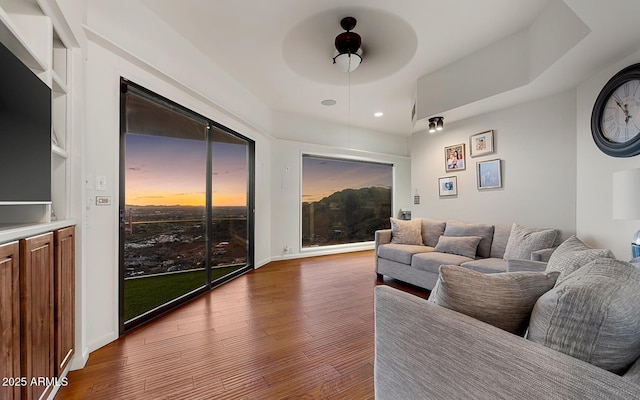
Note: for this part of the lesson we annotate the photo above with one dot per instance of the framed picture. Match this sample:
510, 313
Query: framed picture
481, 144
454, 158
489, 174
448, 186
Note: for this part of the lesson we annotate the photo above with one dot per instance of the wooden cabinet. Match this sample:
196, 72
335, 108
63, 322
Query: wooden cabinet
37, 313
37, 320
64, 297
9, 320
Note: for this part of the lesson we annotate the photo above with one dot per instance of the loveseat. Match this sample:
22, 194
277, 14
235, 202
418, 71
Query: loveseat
412, 251
569, 332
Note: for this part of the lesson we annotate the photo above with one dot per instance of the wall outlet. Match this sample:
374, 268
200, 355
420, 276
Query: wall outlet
287, 249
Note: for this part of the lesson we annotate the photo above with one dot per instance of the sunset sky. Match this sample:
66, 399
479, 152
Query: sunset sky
322, 177
169, 171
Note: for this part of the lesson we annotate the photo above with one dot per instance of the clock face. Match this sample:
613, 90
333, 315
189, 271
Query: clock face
620, 121
615, 119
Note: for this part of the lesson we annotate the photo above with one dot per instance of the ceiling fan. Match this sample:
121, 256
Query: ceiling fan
349, 53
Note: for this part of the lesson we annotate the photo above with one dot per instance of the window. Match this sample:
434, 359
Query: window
344, 201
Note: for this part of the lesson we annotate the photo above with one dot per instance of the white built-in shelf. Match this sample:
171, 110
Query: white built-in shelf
58, 83
59, 151
29, 32
11, 37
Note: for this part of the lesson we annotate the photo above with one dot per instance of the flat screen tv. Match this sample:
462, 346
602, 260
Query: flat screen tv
25, 133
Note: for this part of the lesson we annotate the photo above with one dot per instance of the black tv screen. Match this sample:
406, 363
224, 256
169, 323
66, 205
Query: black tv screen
25, 133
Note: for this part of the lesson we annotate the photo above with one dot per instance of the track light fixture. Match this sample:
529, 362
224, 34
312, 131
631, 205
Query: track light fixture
436, 124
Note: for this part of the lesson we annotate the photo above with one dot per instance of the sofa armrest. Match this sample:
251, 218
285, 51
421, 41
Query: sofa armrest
542, 255
382, 236
423, 350
516, 265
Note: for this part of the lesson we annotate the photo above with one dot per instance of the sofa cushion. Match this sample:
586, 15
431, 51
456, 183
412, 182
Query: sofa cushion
401, 253
500, 238
592, 315
503, 300
573, 254
455, 228
522, 241
487, 265
406, 232
460, 245
431, 262
431, 231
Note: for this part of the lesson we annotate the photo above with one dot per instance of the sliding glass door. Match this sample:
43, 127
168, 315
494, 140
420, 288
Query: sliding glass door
186, 196
229, 201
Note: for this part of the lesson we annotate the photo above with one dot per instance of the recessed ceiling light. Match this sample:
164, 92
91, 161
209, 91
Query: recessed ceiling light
378, 114
328, 102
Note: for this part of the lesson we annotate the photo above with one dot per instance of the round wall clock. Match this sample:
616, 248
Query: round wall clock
615, 120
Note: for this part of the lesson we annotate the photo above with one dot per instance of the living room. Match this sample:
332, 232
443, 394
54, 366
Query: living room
553, 175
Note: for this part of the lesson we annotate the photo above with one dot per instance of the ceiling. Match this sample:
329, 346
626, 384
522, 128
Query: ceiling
281, 50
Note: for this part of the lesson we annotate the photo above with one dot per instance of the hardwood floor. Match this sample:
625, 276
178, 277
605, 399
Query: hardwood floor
291, 329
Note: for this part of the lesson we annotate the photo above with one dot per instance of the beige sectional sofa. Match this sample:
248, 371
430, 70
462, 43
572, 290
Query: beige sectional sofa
415, 257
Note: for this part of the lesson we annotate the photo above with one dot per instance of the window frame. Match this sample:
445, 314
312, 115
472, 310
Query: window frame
125, 85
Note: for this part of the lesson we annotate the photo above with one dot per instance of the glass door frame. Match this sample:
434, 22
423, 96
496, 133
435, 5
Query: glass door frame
125, 326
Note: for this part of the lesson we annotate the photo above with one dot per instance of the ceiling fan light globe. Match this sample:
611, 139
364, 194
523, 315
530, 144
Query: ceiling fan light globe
347, 62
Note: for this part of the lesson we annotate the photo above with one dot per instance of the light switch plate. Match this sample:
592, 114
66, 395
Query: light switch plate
101, 182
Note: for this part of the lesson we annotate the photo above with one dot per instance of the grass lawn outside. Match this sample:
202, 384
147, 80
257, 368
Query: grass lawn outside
146, 293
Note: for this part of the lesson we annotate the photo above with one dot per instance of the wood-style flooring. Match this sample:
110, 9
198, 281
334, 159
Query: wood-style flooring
292, 329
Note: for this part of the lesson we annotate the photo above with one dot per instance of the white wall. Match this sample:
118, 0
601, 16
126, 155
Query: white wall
537, 145
286, 192
147, 52
300, 128
102, 112
595, 223
174, 73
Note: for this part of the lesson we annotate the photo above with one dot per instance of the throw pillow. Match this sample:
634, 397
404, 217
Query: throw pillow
592, 315
455, 228
504, 300
573, 254
522, 241
406, 232
460, 245
431, 231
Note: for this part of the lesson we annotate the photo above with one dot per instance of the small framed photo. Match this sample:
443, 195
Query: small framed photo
454, 158
481, 144
448, 186
489, 174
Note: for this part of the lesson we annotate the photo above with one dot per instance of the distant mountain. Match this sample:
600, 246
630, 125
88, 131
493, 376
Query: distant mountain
347, 216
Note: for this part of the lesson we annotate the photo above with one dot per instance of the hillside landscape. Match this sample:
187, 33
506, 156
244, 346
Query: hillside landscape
347, 216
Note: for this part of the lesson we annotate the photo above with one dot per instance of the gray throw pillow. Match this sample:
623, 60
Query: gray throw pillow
406, 232
460, 245
431, 231
504, 300
592, 315
522, 241
573, 254
455, 228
